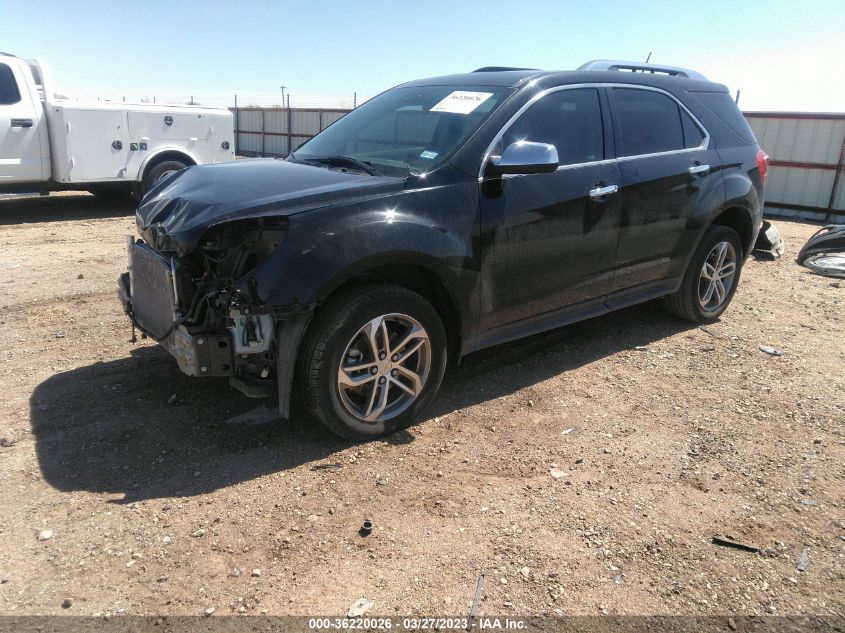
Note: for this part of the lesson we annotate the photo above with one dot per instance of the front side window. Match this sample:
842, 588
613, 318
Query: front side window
9, 93
568, 119
415, 128
649, 122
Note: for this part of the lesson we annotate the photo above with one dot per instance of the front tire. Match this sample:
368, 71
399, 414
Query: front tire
711, 278
372, 361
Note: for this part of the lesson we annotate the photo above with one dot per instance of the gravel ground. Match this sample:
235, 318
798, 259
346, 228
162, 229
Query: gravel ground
585, 470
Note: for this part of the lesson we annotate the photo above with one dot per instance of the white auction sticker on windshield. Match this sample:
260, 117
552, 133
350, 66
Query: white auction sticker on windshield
462, 102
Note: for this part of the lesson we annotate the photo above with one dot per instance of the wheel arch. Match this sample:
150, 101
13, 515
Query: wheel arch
425, 280
161, 155
738, 219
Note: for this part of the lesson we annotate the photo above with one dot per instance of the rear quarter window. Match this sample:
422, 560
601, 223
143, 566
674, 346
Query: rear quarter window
721, 104
9, 93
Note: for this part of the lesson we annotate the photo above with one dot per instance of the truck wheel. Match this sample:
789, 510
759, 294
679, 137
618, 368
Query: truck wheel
372, 361
711, 278
159, 171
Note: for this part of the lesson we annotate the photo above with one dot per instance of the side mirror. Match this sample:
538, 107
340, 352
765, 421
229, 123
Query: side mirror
524, 157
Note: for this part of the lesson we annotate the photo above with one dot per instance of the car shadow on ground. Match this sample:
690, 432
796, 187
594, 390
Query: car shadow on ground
137, 427
75, 206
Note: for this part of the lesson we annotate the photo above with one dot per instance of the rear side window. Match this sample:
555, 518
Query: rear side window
721, 104
568, 119
8, 86
649, 122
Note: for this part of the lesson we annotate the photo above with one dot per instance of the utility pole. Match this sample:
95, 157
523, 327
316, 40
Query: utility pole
283, 94
289, 123
237, 124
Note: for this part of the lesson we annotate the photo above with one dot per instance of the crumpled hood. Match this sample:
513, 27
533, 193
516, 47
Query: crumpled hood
174, 214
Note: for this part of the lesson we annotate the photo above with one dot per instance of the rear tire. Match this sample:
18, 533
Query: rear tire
159, 171
711, 278
356, 386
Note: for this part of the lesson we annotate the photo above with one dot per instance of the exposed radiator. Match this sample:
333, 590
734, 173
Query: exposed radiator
151, 285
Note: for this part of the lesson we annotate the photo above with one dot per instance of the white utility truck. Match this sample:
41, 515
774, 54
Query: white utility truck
49, 143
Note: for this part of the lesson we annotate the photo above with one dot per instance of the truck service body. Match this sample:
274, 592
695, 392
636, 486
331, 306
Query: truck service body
49, 143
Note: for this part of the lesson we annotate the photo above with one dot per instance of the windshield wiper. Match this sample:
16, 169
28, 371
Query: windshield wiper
345, 160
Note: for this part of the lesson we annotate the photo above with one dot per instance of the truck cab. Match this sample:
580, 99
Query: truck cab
49, 143
24, 145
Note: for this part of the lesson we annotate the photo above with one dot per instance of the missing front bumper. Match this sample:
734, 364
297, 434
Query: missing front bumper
769, 240
200, 354
197, 351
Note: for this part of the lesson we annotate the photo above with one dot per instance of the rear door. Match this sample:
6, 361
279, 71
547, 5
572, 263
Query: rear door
665, 165
20, 145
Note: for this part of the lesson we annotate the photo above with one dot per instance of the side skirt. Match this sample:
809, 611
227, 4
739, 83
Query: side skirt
571, 314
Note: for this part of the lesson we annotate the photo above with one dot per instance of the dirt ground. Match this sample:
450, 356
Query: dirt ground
585, 470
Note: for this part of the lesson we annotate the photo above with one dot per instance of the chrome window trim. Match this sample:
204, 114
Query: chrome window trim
705, 143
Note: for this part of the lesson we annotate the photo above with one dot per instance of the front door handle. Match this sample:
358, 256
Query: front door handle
601, 192
21, 122
699, 169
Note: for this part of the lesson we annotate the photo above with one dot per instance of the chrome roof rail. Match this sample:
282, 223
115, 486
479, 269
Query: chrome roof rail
610, 64
495, 69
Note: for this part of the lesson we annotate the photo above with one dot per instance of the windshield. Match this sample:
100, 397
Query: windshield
407, 129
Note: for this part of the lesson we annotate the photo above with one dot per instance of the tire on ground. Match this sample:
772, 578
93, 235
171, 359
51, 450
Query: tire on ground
160, 170
333, 328
685, 302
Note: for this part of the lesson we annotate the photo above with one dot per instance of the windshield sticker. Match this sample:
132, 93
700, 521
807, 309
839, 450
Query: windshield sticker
462, 102
429, 155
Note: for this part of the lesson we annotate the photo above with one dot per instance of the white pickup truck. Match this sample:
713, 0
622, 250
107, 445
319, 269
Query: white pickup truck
49, 143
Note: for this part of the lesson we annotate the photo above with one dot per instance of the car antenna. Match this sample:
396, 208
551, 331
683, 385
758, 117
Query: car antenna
648, 58
736, 100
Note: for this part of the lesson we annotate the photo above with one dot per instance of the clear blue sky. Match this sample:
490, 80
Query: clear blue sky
777, 52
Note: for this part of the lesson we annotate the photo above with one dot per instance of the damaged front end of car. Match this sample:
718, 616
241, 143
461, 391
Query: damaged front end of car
216, 276
203, 306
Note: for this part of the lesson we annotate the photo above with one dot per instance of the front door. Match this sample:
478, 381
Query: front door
549, 244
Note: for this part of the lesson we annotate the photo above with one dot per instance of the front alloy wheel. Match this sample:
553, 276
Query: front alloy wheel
384, 368
372, 360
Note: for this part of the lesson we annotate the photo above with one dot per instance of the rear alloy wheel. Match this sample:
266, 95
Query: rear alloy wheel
711, 278
372, 361
718, 274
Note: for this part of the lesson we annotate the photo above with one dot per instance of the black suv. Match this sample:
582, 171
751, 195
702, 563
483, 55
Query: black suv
441, 217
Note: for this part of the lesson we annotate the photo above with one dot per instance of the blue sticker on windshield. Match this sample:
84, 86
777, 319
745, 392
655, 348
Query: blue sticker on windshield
429, 155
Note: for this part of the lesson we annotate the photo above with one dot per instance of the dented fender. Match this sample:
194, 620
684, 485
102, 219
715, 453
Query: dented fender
326, 247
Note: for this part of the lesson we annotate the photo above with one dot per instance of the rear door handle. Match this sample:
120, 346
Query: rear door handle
21, 122
600, 192
699, 169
